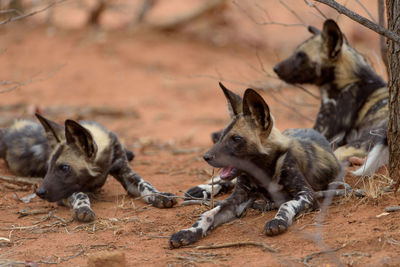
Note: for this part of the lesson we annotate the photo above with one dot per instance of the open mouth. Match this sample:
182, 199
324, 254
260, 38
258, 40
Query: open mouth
228, 173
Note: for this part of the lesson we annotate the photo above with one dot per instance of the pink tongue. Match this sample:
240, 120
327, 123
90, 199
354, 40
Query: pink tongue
226, 172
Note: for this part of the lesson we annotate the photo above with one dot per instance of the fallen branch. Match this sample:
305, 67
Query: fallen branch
82, 250
239, 244
362, 20
28, 211
392, 208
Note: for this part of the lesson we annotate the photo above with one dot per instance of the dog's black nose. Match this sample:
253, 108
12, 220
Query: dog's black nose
208, 157
276, 68
41, 192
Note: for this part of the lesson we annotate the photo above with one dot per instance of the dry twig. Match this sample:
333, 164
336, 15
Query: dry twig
316, 8
29, 211
35, 78
23, 16
309, 257
266, 22
239, 244
21, 180
362, 20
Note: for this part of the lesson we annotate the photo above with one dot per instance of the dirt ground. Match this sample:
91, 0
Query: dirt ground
159, 92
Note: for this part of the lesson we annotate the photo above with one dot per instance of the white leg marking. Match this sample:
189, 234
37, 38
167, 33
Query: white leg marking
378, 157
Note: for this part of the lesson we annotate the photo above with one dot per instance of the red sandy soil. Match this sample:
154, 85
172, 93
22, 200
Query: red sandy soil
170, 80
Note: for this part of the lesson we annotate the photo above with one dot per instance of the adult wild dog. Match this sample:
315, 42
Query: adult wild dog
286, 168
354, 100
73, 158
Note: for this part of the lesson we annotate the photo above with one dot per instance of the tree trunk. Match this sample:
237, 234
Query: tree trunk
393, 12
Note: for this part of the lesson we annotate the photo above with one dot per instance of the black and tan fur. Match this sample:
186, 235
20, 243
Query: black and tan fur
216, 185
73, 159
286, 168
354, 100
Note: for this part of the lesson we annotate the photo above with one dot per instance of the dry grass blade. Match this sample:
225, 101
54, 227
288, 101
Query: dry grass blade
199, 202
212, 189
6, 262
29, 211
373, 187
239, 244
21, 180
309, 257
182, 151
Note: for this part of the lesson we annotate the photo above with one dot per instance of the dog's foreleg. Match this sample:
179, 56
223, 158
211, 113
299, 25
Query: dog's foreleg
137, 187
231, 208
205, 190
80, 204
134, 183
293, 181
287, 212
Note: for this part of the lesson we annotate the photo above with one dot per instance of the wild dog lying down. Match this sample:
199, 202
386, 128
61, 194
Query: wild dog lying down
217, 185
282, 167
73, 159
354, 99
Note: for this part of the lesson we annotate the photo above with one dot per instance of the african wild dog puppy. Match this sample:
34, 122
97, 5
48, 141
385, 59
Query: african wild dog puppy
220, 185
282, 167
25, 148
354, 100
73, 158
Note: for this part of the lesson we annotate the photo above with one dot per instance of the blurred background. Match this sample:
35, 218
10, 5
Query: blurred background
151, 68
149, 71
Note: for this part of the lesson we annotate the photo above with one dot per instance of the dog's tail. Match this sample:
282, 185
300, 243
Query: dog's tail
377, 157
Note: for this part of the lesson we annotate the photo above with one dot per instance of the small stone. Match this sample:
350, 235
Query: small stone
106, 258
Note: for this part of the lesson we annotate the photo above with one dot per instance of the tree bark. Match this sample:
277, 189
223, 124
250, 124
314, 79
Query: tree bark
393, 15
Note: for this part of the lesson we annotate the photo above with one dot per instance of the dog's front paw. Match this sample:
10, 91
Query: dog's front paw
184, 237
198, 192
84, 214
275, 227
164, 200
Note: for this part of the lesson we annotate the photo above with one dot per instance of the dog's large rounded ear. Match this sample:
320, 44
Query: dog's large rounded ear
332, 38
54, 131
77, 135
257, 109
313, 30
234, 101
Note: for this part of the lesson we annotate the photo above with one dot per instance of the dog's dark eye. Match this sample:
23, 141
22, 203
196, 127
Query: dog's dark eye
64, 168
236, 138
301, 55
